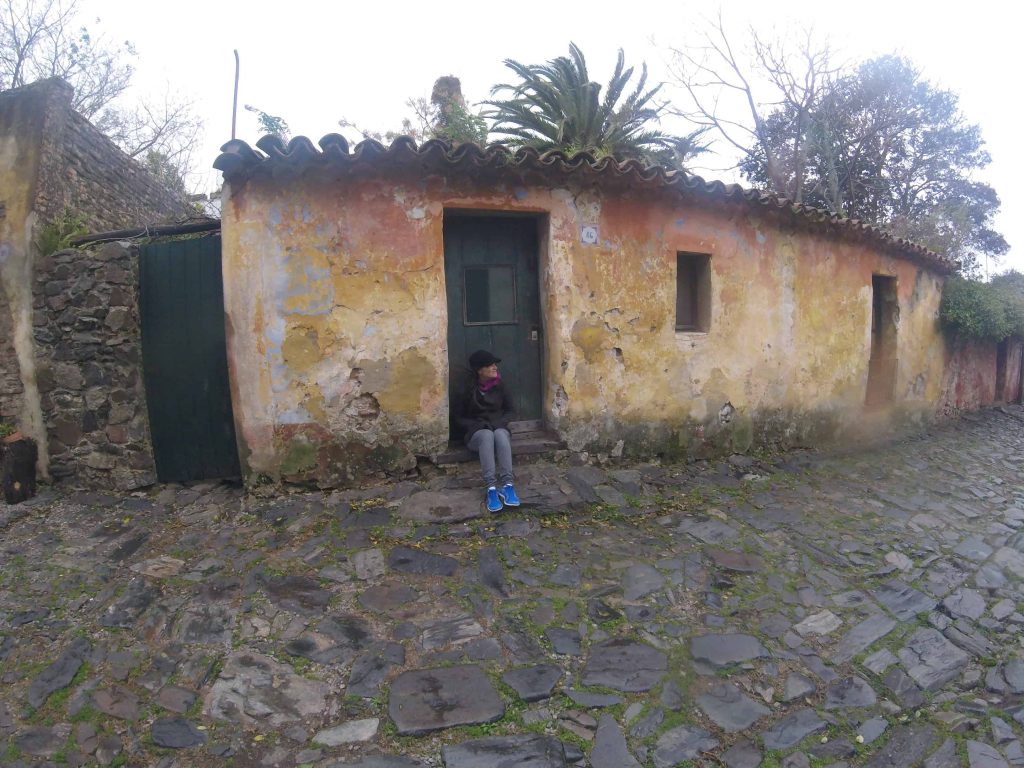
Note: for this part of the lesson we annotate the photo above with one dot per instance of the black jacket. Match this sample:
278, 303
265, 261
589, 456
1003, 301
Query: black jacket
493, 409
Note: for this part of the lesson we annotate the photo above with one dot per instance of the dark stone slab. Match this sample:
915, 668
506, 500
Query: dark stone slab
126, 610
533, 683
931, 659
424, 700
42, 742
118, 702
583, 480
966, 603
742, 754
902, 600
684, 742
711, 532
59, 674
371, 668
416, 561
797, 686
861, 637
981, 755
299, 594
793, 729
451, 506
566, 576
175, 699
625, 666
729, 709
385, 598
492, 574
906, 747
1013, 672
849, 693
610, 749
903, 687
648, 724
593, 700
737, 562
440, 633
382, 761
525, 751
176, 733
640, 581
944, 757
564, 641
722, 650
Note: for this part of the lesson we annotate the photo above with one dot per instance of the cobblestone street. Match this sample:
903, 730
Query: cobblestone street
807, 609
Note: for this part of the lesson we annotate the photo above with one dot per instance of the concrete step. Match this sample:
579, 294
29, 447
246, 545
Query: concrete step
530, 442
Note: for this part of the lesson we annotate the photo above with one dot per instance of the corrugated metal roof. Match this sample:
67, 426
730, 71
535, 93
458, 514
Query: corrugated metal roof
275, 159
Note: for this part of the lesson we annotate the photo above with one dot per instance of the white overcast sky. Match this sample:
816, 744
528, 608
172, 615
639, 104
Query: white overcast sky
315, 62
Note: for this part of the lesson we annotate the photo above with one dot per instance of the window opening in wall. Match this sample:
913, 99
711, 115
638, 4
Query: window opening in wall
693, 292
1002, 351
490, 294
883, 363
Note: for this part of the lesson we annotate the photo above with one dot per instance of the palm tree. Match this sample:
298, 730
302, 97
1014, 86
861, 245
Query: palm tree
556, 106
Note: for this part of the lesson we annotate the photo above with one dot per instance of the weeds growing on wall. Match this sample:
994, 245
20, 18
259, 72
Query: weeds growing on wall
57, 234
984, 311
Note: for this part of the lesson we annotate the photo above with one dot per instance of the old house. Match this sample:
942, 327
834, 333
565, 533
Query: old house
54, 165
638, 311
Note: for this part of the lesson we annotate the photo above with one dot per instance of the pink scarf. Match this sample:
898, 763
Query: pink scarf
490, 384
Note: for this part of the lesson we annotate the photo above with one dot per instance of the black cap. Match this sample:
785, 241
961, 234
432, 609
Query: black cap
481, 359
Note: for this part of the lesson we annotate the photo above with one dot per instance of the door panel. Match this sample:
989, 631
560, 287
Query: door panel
493, 303
184, 360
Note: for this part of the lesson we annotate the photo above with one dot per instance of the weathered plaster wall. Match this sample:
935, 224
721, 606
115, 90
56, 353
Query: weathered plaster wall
970, 380
89, 345
337, 324
22, 119
1014, 362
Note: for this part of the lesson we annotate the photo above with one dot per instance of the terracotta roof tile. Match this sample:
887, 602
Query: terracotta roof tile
238, 161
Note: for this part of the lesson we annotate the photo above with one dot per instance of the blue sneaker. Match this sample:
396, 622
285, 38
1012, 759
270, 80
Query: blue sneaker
508, 495
493, 500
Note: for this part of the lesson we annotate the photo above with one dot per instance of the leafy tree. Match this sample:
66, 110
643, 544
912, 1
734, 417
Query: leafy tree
885, 146
557, 106
40, 39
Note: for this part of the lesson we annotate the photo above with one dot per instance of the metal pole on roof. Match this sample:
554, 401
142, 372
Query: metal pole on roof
234, 101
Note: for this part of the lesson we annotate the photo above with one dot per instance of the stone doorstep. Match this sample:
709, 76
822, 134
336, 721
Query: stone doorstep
539, 443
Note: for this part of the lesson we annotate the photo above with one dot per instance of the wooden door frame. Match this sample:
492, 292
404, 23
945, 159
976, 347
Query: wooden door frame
541, 218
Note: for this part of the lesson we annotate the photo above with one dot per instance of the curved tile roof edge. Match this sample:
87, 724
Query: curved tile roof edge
239, 160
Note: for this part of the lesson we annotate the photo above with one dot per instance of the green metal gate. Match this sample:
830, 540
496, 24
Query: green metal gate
184, 360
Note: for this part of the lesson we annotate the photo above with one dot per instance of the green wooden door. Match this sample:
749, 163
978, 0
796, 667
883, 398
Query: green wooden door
184, 360
490, 266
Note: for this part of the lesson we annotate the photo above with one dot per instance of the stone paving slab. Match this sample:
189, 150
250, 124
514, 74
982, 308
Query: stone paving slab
862, 609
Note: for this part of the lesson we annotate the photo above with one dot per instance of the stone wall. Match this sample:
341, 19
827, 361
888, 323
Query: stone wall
52, 160
88, 342
106, 187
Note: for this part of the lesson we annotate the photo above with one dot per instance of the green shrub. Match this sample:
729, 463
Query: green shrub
57, 235
974, 310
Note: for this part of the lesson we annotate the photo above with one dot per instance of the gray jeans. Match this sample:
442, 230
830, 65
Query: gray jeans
488, 444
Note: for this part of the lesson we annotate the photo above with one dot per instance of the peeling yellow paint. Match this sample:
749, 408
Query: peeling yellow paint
341, 284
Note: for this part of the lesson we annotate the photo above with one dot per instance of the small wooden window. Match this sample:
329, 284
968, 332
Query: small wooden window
489, 295
693, 292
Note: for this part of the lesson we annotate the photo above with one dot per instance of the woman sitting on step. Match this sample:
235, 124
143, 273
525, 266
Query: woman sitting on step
487, 408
